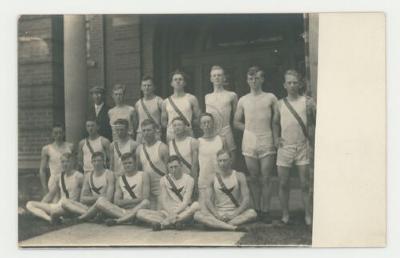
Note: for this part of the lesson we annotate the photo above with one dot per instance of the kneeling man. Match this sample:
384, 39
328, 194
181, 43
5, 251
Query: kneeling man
176, 195
68, 184
227, 198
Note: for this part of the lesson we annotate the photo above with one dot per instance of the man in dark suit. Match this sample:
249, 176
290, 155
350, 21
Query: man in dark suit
99, 110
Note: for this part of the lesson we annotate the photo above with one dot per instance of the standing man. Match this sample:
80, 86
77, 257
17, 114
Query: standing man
296, 119
99, 112
148, 107
179, 104
222, 105
51, 158
121, 145
91, 144
259, 111
228, 198
152, 157
121, 110
209, 145
185, 147
67, 184
176, 198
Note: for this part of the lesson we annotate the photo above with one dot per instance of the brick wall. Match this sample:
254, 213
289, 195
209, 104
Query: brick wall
40, 84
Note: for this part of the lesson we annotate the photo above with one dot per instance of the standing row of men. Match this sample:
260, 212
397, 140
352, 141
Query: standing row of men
268, 125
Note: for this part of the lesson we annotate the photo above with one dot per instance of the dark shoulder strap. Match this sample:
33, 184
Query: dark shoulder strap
89, 146
297, 117
225, 190
128, 187
177, 110
63, 186
147, 111
184, 161
156, 169
92, 186
117, 149
174, 188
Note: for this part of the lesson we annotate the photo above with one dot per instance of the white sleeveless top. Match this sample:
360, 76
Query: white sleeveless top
291, 131
183, 105
182, 185
71, 183
219, 105
97, 184
185, 149
222, 201
55, 155
135, 183
153, 106
154, 156
208, 149
87, 155
123, 148
123, 112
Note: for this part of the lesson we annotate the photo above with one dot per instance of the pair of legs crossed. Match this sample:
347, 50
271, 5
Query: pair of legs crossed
205, 217
161, 217
46, 211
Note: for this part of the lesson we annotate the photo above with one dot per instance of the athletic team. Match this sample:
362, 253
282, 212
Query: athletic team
170, 185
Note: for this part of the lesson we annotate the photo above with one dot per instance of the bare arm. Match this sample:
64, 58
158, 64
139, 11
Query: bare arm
80, 155
209, 201
106, 147
275, 122
76, 192
42, 170
132, 117
237, 120
244, 191
164, 153
111, 152
196, 111
136, 118
164, 114
234, 104
52, 192
109, 193
163, 195
139, 165
195, 159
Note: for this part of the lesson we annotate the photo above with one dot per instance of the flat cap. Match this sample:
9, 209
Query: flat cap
97, 89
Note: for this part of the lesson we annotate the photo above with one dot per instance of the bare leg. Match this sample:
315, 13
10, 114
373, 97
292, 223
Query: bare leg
254, 181
244, 217
74, 206
150, 216
209, 220
284, 187
267, 165
305, 190
188, 213
108, 208
130, 214
39, 209
92, 211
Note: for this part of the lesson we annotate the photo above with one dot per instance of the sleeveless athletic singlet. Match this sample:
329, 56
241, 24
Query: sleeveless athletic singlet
87, 155
123, 148
154, 156
135, 183
184, 148
71, 183
98, 183
182, 185
291, 130
208, 149
222, 200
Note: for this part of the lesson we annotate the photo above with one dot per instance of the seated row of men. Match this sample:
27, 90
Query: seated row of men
126, 198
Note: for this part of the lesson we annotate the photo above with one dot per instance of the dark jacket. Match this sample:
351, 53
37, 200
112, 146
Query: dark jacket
102, 120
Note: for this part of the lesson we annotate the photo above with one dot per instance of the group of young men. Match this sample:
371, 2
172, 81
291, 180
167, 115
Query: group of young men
168, 185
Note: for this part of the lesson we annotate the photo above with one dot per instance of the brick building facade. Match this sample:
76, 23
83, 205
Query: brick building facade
122, 48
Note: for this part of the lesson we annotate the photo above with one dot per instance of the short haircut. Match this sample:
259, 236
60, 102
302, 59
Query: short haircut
97, 89
224, 151
147, 122
122, 122
147, 78
253, 70
119, 87
92, 119
293, 73
177, 71
59, 125
178, 118
67, 155
217, 67
128, 155
206, 114
174, 158
98, 154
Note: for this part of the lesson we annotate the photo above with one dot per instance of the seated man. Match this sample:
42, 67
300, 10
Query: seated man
98, 186
227, 198
68, 184
176, 195
132, 191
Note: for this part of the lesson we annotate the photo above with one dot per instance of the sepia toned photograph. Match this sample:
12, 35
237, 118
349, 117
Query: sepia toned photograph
166, 129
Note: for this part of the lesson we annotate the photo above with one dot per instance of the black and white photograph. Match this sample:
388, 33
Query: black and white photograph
166, 129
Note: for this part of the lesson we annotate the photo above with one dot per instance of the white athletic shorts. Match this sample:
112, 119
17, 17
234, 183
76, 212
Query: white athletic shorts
293, 154
257, 145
